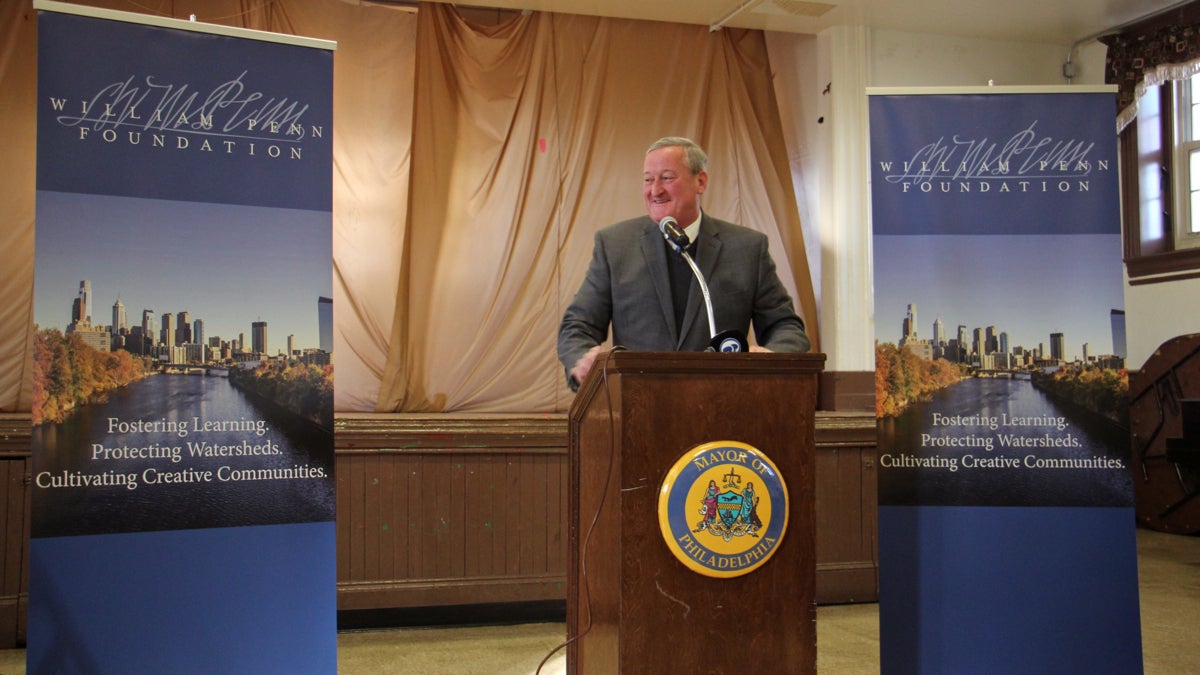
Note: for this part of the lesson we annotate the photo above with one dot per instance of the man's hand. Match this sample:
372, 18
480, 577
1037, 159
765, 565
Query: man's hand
580, 370
756, 348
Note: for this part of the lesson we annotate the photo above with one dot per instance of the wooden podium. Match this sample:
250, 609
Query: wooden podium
632, 605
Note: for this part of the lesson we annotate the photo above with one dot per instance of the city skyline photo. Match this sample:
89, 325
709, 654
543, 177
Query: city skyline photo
227, 265
1026, 286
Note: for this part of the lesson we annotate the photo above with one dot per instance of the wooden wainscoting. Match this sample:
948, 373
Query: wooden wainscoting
450, 510
442, 510
847, 508
14, 523
438, 510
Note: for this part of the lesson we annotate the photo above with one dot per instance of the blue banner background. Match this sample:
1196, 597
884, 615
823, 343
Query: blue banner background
138, 69
229, 600
956, 182
1007, 590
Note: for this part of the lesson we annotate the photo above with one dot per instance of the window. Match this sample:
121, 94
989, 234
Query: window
1159, 56
1185, 182
1161, 184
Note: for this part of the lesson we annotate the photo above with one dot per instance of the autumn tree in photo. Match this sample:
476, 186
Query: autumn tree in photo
304, 390
1100, 390
902, 377
68, 373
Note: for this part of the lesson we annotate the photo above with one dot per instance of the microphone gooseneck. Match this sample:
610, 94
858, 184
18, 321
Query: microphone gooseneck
676, 236
728, 341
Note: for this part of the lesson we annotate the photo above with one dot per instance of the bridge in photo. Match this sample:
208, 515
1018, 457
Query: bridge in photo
193, 369
1005, 374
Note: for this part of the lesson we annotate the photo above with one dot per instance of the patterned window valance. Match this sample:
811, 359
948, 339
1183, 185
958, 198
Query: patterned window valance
1151, 53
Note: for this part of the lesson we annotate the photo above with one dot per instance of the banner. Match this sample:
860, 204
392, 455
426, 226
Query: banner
1006, 521
183, 495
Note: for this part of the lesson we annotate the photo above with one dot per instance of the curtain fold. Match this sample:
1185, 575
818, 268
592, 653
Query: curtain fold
476, 303
528, 137
18, 133
373, 106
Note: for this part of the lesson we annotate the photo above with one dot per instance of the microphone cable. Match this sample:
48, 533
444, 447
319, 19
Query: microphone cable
612, 452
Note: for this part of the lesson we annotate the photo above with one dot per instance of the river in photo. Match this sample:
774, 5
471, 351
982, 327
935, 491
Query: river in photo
176, 451
1002, 442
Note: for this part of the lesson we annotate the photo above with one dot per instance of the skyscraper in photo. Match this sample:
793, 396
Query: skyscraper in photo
85, 298
167, 333
183, 328
78, 311
120, 321
908, 328
1117, 318
149, 330
258, 337
1057, 347
325, 324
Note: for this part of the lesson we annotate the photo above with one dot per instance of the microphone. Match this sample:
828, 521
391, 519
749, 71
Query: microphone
727, 341
672, 233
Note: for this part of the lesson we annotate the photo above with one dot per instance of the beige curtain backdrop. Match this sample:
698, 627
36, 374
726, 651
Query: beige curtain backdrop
18, 87
527, 138
472, 165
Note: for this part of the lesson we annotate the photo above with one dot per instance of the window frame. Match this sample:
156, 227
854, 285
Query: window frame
1154, 256
1185, 151
1162, 40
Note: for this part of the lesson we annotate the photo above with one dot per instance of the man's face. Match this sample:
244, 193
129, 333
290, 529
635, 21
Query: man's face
670, 188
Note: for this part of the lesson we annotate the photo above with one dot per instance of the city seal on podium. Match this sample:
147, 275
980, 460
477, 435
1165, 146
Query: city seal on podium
723, 509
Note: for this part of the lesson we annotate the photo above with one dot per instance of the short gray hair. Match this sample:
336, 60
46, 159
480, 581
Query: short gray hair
694, 155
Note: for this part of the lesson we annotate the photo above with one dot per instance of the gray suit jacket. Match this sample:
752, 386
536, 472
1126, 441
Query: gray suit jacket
627, 286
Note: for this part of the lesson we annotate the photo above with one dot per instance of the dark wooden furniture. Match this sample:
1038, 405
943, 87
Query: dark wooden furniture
632, 607
14, 522
1163, 421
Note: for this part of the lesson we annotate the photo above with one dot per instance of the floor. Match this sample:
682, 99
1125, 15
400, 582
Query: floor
847, 635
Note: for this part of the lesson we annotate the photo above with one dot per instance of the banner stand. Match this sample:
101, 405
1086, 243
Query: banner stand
182, 515
1006, 522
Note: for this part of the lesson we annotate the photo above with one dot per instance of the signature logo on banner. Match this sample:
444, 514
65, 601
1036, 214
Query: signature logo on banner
230, 118
1026, 161
723, 509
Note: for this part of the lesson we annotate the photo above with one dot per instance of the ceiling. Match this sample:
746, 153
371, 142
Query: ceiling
1062, 22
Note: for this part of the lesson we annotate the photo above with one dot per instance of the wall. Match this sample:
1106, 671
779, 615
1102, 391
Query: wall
1153, 316
900, 59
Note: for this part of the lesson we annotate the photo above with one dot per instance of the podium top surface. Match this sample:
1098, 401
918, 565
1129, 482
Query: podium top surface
698, 364
621, 360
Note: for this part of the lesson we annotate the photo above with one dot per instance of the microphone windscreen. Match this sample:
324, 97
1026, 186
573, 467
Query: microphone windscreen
672, 232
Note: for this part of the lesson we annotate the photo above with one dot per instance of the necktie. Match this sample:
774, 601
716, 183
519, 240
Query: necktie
681, 277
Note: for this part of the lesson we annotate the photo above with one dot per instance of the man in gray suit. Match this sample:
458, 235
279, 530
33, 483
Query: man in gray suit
639, 282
